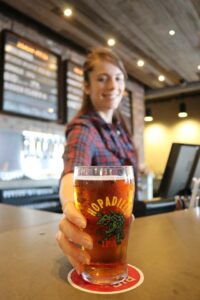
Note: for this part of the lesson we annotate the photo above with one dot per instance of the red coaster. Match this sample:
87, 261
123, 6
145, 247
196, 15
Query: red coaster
135, 278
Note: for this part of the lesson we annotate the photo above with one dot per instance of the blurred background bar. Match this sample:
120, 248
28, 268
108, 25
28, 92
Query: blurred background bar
42, 49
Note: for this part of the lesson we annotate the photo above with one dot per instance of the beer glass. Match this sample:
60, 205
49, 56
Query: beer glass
104, 195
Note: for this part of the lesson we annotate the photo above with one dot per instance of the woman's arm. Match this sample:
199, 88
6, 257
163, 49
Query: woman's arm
66, 192
71, 236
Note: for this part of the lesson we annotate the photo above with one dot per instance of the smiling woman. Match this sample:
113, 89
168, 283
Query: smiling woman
105, 88
97, 136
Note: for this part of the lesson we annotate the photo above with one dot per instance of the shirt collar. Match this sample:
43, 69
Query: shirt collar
98, 119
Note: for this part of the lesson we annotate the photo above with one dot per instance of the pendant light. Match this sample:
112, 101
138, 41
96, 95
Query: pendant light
182, 110
148, 115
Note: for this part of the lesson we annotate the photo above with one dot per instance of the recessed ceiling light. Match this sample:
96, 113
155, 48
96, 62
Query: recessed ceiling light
8, 48
68, 12
161, 78
78, 71
140, 63
198, 67
172, 32
50, 110
111, 42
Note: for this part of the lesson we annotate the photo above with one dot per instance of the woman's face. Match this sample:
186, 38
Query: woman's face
106, 86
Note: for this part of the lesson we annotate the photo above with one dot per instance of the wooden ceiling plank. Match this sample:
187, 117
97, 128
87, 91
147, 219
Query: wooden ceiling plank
171, 63
57, 23
102, 9
47, 4
136, 73
188, 28
141, 29
148, 43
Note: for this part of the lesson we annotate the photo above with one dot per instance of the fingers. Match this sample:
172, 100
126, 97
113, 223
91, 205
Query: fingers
77, 256
74, 234
73, 215
78, 266
71, 238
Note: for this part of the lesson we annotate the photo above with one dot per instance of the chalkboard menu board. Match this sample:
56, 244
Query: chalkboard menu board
126, 110
29, 78
74, 88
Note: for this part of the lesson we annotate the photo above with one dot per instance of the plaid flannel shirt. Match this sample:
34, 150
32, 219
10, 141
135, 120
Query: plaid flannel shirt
93, 142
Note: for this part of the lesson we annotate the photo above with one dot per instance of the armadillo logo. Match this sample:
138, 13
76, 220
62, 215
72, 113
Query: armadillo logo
112, 227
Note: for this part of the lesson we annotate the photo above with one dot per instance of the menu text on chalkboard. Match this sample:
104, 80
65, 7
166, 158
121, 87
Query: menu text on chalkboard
126, 110
29, 79
74, 88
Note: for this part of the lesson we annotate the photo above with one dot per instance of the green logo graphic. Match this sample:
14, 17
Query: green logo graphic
114, 226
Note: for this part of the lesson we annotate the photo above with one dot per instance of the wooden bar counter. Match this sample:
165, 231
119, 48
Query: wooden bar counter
165, 247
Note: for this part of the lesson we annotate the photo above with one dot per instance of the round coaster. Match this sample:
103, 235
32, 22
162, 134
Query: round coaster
134, 279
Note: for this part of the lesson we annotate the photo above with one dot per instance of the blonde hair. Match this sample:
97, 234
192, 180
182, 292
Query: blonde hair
101, 53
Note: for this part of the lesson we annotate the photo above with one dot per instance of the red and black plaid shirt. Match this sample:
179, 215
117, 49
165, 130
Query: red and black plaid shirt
93, 142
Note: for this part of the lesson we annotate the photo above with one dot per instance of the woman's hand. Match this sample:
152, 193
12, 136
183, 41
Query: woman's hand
71, 237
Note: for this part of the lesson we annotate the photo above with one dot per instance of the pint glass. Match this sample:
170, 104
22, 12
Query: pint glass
104, 195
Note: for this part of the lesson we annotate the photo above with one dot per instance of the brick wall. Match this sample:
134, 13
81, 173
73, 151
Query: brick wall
138, 118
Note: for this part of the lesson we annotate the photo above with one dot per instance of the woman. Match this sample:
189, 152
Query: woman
96, 136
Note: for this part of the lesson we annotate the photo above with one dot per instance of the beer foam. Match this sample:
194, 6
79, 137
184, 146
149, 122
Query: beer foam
100, 178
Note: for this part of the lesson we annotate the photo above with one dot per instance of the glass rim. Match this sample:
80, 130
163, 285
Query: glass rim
105, 171
104, 167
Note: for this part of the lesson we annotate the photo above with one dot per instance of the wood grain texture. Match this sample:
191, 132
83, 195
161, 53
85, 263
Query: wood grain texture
140, 28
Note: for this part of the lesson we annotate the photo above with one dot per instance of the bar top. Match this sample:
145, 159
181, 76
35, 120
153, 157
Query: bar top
28, 183
165, 247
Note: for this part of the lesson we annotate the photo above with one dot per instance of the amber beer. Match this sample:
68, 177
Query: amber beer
104, 195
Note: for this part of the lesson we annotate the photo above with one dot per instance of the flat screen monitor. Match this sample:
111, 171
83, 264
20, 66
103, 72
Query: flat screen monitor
195, 169
178, 171
29, 78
